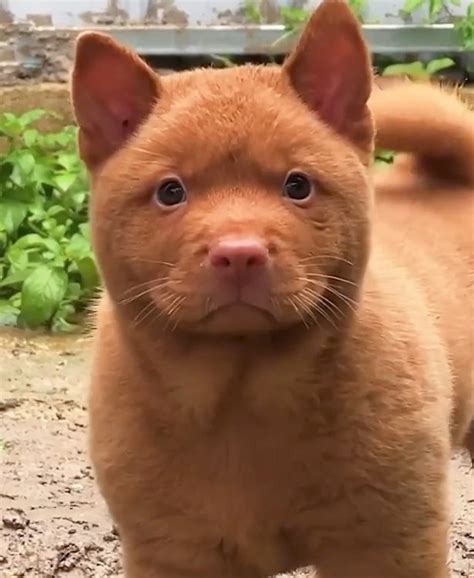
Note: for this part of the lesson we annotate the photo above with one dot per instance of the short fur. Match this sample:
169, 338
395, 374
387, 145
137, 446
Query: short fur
239, 443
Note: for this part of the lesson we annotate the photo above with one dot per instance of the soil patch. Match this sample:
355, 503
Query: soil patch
52, 520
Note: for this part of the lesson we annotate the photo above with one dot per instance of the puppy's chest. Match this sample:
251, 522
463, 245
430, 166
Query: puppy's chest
255, 488
251, 457
242, 483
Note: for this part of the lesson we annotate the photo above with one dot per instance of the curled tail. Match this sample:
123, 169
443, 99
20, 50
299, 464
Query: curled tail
431, 124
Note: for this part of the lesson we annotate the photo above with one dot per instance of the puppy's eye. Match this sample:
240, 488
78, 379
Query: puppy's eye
170, 193
298, 187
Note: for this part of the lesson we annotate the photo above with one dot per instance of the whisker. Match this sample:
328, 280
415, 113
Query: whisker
152, 261
146, 291
298, 312
144, 313
318, 305
352, 303
315, 257
332, 278
339, 314
172, 310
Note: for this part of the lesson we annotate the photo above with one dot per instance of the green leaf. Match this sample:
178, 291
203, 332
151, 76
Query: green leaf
10, 125
33, 240
26, 162
85, 229
79, 199
435, 7
61, 325
409, 6
439, 64
41, 295
42, 174
412, 69
15, 279
30, 249
8, 314
384, 155
293, 17
64, 181
252, 12
88, 270
67, 137
68, 161
74, 292
30, 137
30, 117
224, 60
78, 248
12, 214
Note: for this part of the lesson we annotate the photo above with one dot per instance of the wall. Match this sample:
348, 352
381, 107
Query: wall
194, 12
36, 36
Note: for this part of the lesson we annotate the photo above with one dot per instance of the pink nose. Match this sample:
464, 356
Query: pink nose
239, 257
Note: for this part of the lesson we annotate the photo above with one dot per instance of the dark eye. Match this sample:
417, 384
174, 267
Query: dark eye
297, 187
170, 193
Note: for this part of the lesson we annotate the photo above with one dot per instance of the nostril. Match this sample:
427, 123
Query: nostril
220, 261
256, 260
238, 255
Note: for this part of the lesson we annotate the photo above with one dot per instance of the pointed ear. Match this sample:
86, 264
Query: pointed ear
113, 92
330, 69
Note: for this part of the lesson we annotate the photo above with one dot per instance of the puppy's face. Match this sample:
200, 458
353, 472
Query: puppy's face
234, 206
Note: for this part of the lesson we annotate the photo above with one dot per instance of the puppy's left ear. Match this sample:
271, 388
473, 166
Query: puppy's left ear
113, 93
330, 69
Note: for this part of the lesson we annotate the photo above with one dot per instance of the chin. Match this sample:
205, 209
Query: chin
238, 319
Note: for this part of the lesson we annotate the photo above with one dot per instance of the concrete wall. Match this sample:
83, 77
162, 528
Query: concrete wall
42, 31
194, 12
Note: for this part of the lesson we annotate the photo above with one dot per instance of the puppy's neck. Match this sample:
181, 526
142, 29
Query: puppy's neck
200, 379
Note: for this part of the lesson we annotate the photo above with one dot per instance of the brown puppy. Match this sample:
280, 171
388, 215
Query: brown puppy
277, 382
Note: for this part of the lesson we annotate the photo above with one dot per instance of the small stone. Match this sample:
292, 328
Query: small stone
16, 520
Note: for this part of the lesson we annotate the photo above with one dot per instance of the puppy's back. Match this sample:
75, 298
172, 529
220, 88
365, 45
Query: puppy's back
425, 216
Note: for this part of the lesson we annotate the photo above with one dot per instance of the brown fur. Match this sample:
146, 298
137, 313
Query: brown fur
239, 444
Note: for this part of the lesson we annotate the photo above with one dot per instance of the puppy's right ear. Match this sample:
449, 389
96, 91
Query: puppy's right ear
113, 92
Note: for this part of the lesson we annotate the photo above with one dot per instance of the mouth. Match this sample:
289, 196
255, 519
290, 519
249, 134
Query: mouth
239, 307
239, 317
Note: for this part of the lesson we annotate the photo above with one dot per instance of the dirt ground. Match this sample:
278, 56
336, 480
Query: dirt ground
52, 521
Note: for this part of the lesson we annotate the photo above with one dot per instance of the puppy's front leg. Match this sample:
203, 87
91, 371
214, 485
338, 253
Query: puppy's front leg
171, 560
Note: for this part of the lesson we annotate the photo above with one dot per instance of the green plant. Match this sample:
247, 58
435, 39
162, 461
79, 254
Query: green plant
383, 157
465, 25
47, 270
293, 17
358, 7
252, 11
225, 61
435, 7
418, 69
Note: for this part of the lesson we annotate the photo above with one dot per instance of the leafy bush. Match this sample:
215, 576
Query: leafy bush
47, 270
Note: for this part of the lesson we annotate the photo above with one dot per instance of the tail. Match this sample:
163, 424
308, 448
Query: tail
431, 124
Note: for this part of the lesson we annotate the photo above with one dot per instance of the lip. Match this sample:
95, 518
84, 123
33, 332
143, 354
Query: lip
236, 307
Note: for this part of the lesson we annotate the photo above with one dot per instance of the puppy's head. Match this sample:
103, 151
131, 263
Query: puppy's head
234, 200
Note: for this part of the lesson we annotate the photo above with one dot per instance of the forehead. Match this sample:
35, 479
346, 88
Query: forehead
247, 118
